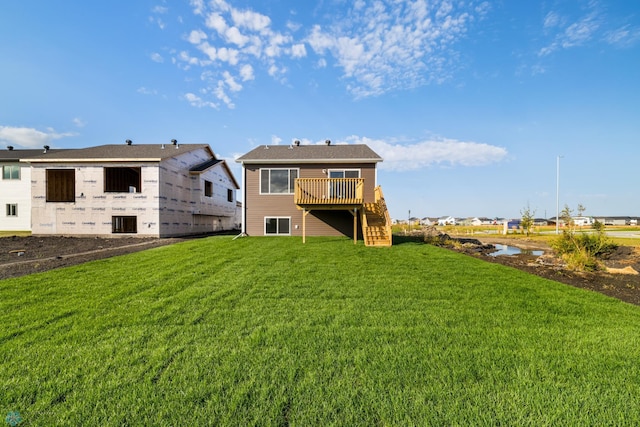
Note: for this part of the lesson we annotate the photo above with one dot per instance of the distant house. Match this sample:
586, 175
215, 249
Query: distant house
15, 188
541, 222
428, 221
314, 190
446, 220
151, 190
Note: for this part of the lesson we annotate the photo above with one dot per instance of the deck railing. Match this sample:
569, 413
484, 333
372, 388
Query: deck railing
382, 205
329, 191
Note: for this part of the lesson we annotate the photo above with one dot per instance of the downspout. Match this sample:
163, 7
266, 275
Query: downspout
244, 200
243, 231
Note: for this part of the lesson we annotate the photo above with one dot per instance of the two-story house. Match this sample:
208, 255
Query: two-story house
150, 190
314, 190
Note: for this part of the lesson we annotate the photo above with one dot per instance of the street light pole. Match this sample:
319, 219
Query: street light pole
557, 192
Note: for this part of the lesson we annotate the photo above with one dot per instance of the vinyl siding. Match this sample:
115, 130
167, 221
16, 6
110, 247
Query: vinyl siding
319, 222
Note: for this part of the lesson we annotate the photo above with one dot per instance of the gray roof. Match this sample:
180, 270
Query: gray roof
15, 155
341, 153
118, 152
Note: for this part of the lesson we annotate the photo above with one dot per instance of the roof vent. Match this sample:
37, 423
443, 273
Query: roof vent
46, 148
328, 142
175, 142
10, 147
128, 141
296, 142
266, 147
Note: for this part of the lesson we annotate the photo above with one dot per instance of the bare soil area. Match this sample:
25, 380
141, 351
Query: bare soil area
20, 255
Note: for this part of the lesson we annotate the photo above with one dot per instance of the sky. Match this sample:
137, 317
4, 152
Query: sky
478, 108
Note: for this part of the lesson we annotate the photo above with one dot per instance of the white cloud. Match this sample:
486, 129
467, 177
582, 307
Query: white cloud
30, 137
156, 57
235, 37
246, 73
231, 83
432, 152
145, 91
79, 122
298, 50
196, 101
197, 5
196, 36
221, 94
592, 25
389, 45
216, 22
625, 36
379, 46
275, 140
251, 20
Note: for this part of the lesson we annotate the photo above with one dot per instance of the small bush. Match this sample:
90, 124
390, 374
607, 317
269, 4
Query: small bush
581, 251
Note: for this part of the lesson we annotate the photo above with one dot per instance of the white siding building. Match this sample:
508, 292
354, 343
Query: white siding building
145, 190
15, 189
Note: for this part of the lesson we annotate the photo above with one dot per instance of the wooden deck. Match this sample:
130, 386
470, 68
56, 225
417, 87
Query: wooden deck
345, 194
327, 193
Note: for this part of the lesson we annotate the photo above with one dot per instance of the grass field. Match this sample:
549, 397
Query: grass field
268, 331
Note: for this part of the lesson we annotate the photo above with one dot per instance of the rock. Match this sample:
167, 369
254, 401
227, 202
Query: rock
626, 270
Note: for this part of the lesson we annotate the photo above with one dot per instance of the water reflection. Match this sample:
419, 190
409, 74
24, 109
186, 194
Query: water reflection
512, 250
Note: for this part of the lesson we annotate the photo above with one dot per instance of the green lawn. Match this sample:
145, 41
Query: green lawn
268, 331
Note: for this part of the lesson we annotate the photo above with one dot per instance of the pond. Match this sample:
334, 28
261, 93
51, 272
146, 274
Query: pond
513, 250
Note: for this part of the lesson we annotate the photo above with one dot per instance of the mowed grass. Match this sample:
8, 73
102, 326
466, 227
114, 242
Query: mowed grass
268, 331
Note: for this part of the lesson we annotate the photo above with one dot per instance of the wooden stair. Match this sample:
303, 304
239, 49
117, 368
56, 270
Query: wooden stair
376, 223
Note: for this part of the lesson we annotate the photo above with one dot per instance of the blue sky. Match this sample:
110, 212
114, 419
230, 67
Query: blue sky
469, 102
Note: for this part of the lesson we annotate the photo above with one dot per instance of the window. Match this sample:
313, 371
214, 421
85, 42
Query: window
12, 209
343, 189
208, 188
124, 224
11, 172
61, 185
277, 181
277, 226
122, 180
229, 195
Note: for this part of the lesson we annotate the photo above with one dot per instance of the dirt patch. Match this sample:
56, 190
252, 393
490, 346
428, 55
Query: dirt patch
20, 255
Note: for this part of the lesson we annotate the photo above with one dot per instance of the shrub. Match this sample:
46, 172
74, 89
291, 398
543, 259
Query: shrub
581, 251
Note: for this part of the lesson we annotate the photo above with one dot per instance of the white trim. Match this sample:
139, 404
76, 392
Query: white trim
270, 169
344, 170
264, 230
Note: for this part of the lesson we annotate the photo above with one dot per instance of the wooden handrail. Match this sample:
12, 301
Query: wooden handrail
329, 191
382, 205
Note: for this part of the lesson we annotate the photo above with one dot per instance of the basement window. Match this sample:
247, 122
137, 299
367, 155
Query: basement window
12, 209
122, 180
61, 185
208, 189
277, 226
124, 224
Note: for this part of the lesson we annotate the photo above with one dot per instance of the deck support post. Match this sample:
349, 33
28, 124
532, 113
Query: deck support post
304, 225
355, 225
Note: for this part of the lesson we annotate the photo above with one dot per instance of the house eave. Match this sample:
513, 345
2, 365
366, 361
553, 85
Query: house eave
305, 161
